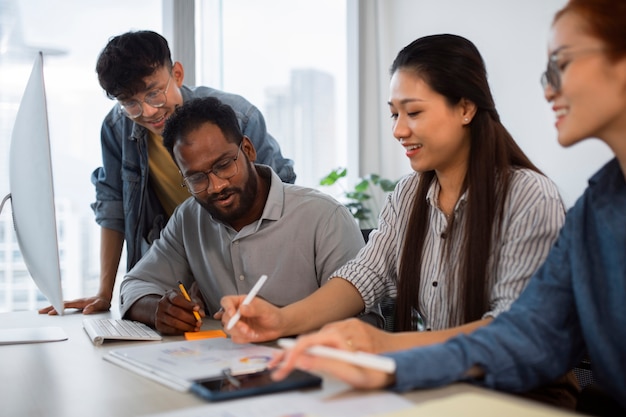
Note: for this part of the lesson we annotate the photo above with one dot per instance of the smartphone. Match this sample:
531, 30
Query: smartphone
257, 383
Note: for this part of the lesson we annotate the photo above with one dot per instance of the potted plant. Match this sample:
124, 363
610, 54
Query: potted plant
365, 199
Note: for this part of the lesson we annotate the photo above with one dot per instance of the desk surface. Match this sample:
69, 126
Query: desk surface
70, 378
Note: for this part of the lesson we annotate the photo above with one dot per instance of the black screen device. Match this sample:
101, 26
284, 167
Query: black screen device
257, 383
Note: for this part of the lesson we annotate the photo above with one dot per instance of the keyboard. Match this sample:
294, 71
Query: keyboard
101, 330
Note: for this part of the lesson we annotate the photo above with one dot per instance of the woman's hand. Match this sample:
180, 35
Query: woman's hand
355, 334
260, 321
297, 357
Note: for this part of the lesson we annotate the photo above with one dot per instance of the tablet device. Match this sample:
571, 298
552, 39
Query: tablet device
258, 383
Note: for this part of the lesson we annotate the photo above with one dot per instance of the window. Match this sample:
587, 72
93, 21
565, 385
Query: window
76, 106
288, 58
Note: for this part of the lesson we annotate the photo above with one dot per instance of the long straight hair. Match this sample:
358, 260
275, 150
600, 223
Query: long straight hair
452, 66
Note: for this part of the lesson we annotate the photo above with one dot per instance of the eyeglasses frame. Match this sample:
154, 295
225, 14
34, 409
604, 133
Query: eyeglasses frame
551, 77
155, 92
212, 171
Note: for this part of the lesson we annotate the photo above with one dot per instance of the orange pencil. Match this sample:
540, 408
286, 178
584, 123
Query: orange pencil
185, 294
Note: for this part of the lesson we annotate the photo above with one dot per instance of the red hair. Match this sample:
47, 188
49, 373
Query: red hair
604, 19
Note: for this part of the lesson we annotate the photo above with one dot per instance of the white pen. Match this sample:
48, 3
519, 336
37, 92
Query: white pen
253, 292
366, 360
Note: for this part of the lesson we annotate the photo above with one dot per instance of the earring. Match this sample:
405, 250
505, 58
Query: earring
466, 120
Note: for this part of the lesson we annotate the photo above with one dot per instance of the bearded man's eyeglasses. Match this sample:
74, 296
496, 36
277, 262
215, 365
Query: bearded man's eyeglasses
224, 169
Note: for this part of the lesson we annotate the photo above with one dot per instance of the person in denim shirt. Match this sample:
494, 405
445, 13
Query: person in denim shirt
138, 186
575, 304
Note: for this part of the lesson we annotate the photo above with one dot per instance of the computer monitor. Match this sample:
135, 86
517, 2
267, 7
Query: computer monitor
32, 190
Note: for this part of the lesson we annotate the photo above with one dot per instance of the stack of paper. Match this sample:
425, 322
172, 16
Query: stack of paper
178, 364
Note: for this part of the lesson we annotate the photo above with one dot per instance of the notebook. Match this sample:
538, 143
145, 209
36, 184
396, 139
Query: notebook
101, 330
179, 364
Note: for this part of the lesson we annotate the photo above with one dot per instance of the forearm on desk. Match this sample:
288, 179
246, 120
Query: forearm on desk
144, 310
336, 300
407, 340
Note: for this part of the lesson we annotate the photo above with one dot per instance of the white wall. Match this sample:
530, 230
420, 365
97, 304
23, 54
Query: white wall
512, 37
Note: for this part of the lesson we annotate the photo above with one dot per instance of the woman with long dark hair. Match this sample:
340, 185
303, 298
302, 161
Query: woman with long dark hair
458, 238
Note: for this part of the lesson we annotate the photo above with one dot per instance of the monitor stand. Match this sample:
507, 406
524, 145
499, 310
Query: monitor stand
31, 335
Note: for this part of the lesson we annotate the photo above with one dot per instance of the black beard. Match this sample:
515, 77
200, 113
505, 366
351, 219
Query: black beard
246, 200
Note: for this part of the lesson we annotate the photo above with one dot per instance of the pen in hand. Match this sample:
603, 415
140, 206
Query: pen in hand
185, 294
253, 292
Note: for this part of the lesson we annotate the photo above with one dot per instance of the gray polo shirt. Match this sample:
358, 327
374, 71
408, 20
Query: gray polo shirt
302, 236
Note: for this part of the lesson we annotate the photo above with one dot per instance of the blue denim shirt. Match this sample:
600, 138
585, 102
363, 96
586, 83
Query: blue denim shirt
124, 199
575, 302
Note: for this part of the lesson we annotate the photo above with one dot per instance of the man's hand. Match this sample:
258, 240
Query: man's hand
174, 314
88, 305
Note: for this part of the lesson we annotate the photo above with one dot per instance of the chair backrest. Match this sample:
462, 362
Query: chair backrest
583, 372
366, 234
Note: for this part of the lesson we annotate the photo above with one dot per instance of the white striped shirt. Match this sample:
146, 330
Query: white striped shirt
533, 216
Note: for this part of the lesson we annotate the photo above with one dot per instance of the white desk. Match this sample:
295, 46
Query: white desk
70, 378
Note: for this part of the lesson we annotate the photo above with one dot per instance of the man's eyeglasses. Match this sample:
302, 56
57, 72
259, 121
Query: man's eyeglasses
224, 169
155, 98
552, 75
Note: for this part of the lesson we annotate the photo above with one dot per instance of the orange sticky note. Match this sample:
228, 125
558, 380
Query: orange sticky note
204, 334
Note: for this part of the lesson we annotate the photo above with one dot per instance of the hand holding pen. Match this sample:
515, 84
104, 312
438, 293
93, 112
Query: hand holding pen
253, 292
250, 318
185, 294
176, 312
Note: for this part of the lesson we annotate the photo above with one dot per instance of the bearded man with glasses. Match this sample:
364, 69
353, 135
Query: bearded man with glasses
241, 223
138, 186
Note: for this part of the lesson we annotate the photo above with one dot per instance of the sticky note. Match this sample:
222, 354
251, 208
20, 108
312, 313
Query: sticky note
204, 334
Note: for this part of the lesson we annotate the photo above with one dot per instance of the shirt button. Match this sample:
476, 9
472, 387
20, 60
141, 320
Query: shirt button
241, 277
435, 283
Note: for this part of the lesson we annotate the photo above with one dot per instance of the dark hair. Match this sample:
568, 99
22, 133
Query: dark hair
604, 19
452, 66
128, 58
193, 114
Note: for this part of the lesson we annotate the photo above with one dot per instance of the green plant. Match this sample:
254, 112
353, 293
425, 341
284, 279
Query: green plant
359, 199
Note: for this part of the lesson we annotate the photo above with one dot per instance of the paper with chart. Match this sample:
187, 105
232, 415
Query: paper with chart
177, 364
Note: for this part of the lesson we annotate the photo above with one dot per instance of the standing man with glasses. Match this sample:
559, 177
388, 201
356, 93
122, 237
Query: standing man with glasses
138, 186
241, 223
